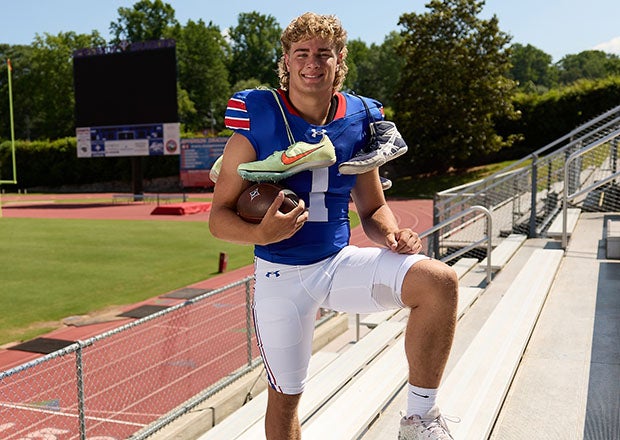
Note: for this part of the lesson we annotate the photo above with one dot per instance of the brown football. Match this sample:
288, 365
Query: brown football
254, 202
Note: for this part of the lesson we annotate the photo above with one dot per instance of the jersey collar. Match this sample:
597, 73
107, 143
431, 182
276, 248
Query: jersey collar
340, 111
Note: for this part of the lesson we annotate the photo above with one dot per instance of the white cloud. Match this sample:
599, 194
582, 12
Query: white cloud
611, 46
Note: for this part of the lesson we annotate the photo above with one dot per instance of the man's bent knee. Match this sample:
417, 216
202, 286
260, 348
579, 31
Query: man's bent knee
430, 281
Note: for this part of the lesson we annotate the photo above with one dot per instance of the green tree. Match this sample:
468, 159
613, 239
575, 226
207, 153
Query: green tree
146, 20
203, 74
22, 100
49, 108
255, 48
589, 64
374, 71
453, 86
358, 58
389, 68
532, 68
250, 83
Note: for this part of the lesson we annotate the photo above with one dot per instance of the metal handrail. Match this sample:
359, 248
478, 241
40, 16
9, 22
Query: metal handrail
488, 238
566, 197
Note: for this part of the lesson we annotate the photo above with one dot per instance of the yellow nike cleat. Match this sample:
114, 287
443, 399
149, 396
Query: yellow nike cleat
298, 157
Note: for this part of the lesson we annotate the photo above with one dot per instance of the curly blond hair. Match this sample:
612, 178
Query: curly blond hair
306, 27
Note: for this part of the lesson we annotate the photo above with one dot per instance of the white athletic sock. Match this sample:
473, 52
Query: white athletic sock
420, 400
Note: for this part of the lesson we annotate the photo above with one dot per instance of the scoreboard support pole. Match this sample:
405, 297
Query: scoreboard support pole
136, 179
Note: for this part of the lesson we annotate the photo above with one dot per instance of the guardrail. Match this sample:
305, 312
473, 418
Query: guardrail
446, 223
603, 151
527, 195
488, 238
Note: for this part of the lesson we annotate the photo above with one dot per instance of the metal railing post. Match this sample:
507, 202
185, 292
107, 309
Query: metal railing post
532, 225
248, 319
489, 217
80, 392
614, 155
565, 205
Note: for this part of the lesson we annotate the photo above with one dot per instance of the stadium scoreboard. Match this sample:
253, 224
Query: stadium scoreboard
126, 100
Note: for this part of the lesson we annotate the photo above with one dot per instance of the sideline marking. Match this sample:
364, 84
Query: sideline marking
46, 411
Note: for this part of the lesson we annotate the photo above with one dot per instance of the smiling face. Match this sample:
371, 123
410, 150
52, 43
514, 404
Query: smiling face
308, 30
312, 66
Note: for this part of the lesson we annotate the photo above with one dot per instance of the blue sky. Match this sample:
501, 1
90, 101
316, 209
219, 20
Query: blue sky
558, 27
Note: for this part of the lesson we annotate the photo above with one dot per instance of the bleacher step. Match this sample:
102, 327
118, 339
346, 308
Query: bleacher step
464, 265
555, 230
476, 387
504, 251
374, 319
371, 390
612, 239
350, 413
467, 296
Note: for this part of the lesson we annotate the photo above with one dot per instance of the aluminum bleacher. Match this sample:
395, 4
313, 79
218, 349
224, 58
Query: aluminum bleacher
369, 374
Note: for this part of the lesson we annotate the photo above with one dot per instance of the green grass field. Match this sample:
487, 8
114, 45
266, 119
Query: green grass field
52, 268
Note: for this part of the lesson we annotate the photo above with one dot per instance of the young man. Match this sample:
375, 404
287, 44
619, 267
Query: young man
303, 260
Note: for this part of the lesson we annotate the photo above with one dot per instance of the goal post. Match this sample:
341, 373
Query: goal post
9, 71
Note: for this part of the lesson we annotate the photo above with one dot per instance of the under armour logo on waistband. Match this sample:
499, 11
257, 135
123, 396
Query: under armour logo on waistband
275, 274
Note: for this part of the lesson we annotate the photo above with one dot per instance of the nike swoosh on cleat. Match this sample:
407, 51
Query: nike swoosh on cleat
288, 160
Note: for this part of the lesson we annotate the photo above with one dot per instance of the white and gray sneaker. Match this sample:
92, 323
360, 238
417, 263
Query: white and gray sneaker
431, 426
386, 144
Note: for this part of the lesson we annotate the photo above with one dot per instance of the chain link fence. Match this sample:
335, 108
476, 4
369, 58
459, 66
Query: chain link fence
116, 384
133, 380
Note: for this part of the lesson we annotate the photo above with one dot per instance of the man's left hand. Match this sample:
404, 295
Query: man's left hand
404, 241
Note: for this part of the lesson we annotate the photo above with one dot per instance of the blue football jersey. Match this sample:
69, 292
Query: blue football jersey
256, 115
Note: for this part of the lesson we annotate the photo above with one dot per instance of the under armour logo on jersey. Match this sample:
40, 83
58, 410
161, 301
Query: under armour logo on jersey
320, 132
275, 274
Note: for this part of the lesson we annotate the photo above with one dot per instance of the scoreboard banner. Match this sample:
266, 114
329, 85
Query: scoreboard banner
197, 157
129, 140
